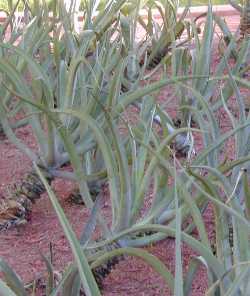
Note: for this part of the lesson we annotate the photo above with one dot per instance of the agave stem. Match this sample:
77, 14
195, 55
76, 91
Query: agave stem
51, 143
16, 209
71, 176
64, 157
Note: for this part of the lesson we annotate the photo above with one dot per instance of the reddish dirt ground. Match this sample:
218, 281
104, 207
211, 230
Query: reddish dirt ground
21, 247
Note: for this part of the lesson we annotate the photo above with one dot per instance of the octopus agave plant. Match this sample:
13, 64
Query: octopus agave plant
65, 70
48, 65
31, 37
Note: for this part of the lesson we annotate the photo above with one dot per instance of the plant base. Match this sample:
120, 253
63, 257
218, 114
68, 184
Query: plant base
16, 209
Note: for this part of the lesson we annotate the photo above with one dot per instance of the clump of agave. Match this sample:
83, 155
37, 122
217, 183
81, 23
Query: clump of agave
86, 119
190, 193
45, 72
58, 68
171, 204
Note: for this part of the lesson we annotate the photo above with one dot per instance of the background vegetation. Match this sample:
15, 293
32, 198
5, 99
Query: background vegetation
4, 3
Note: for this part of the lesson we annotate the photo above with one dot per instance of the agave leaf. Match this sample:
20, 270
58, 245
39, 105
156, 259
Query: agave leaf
211, 194
141, 153
106, 151
153, 163
240, 136
215, 177
145, 180
17, 80
5, 290
125, 201
147, 257
195, 213
129, 98
243, 267
165, 40
227, 89
86, 275
76, 287
203, 60
21, 86
10, 18
195, 244
225, 168
215, 132
69, 283
90, 7
241, 251
125, 30
50, 280
107, 16
115, 86
229, 113
193, 268
237, 283
162, 197
178, 283
12, 280
247, 193
189, 207
217, 143
65, 284
216, 201
90, 226
149, 27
